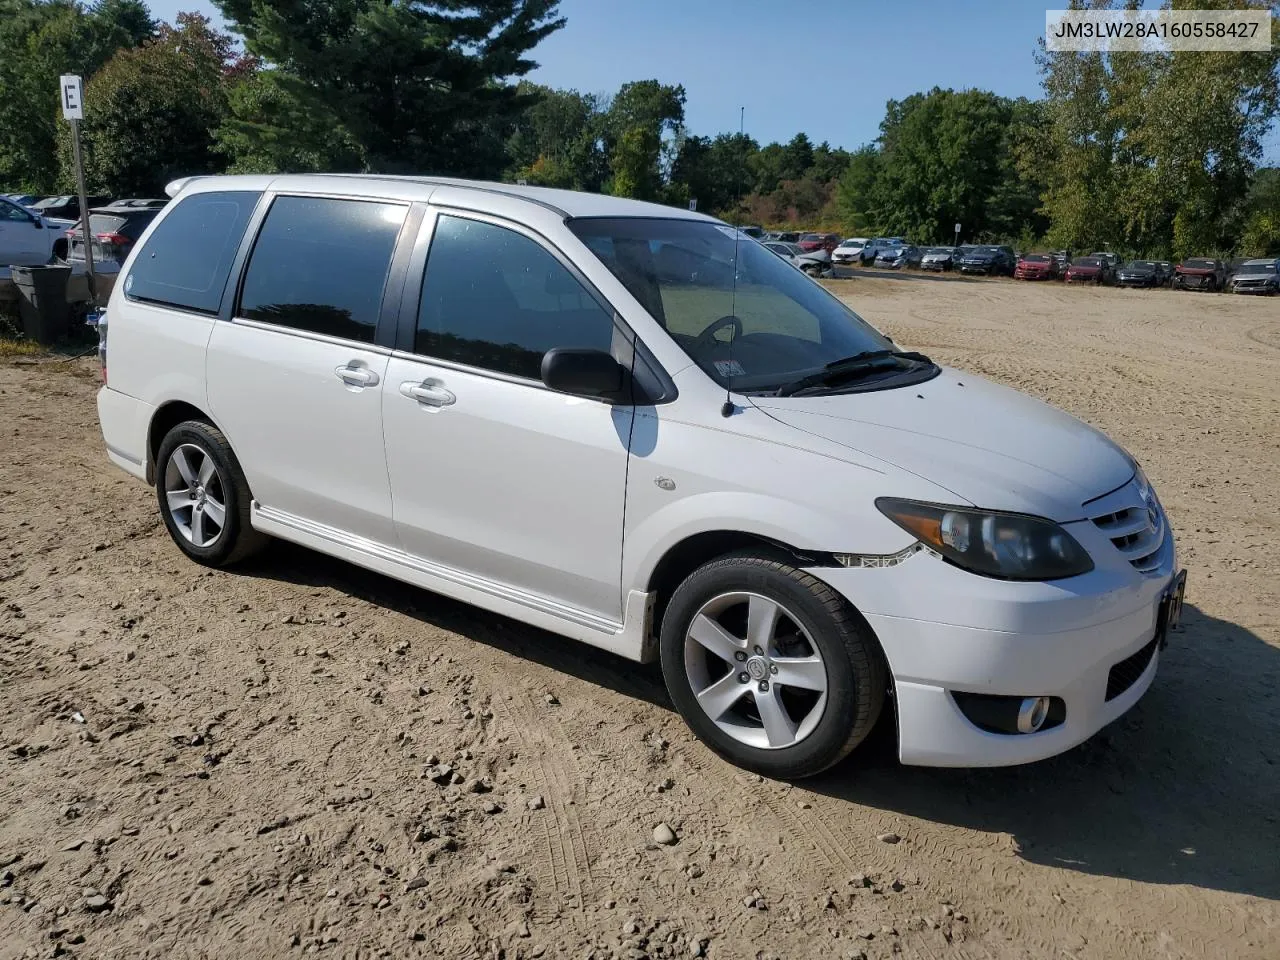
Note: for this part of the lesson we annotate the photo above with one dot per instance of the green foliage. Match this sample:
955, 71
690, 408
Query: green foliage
151, 111
559, 140
634, 125
39, 41
416, 87
1153, 153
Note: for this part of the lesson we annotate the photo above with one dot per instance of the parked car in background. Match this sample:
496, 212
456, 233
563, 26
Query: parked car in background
341, 361
819, 241
23, 199
1088, 270
816, 263
754, 231
1165, 269
113, 230
1112, 260
66, 207
1061, 260
895, 258
26, 238
849, 251
988, 259
1035, 266
939, 258
878, 246
1257, 276
789, 252
1139, 273
1200, 273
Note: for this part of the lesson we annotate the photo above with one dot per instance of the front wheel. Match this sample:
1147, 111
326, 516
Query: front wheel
203, 495
770, 667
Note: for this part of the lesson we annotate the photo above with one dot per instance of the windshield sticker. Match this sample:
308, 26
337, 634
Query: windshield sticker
729, 368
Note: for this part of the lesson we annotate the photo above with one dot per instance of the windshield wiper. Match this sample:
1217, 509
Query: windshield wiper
851, 368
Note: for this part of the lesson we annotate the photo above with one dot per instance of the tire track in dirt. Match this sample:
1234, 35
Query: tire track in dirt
566, 862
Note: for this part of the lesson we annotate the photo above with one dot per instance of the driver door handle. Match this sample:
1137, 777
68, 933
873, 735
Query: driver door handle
429, 393
356, 376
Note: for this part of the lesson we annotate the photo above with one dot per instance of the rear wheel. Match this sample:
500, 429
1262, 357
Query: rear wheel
770, 667
203, 495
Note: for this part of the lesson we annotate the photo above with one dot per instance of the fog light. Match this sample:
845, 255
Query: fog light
1031, 714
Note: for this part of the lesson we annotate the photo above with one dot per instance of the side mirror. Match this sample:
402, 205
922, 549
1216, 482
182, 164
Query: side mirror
585, 373
39, 224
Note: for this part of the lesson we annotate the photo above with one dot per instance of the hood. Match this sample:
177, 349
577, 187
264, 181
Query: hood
1137, 271
1034, 264
1196, 271
989, 445
1084, 268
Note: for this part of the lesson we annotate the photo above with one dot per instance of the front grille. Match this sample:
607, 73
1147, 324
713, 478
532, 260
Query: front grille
1134, 524
1126, 673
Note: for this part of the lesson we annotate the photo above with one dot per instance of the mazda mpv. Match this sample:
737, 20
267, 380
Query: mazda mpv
629, 425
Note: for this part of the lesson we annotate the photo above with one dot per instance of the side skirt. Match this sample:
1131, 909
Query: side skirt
633, 638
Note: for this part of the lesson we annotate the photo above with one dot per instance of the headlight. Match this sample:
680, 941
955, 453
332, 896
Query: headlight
1009, 546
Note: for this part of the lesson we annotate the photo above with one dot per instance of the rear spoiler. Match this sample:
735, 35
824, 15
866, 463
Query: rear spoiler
175, 187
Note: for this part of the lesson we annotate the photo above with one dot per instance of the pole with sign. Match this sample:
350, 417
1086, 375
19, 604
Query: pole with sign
71, 93
957, 234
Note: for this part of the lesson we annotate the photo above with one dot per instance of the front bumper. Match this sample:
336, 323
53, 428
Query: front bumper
976, 267
944, 630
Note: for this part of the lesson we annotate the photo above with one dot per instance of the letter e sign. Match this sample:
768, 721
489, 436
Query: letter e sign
72, 99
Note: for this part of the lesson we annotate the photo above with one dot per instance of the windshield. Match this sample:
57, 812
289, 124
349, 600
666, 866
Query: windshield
983, 251
1140, 265
682, 271
1035, 258
1086, 262
1259, 266
1196, 264
813, 236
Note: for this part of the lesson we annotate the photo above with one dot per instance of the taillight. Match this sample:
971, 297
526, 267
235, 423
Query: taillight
119, 239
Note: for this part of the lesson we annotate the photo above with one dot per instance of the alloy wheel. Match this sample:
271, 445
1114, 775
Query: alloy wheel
195, 495
755, 671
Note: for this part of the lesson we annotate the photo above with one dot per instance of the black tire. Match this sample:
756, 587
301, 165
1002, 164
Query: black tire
237, 539
855, 667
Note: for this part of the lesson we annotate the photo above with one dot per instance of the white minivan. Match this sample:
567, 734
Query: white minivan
628, 425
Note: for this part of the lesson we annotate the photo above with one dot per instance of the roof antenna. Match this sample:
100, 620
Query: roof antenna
728, 410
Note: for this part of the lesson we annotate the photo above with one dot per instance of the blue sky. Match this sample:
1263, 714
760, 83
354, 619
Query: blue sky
823, 68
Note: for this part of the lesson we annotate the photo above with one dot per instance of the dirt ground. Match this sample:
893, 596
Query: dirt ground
298, 756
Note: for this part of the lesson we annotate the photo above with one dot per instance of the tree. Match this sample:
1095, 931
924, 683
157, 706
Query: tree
150, 112
415, 86
798, 157
39, 41
1153, 152
635, 122
858, 193
942, 155
559, 140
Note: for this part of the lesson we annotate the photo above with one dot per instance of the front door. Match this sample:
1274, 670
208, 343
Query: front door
21, 241
295, 379
492, 474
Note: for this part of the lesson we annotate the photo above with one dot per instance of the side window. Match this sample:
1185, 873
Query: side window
321, 264
495, 299
13, 213
187, 258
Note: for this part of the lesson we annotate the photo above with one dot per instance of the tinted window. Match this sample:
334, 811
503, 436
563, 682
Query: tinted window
187, 258
495, 299
9, 211
320, 265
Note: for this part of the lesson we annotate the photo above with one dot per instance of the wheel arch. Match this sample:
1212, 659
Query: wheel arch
167, 416
687, 555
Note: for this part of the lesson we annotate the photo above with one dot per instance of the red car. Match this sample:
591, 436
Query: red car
1035, 266
810, 242
1199, 273
1087, 270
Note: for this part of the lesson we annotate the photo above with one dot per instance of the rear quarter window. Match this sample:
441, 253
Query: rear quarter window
187, 259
